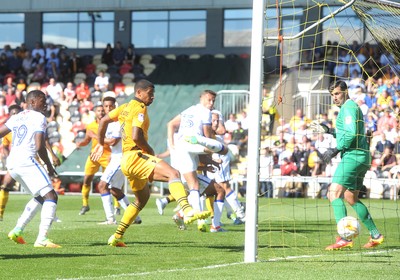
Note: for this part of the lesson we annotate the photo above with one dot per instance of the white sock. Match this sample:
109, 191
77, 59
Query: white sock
233, 200
164, 200
202, 201
46, 218
124, 202
194, 200
211, 144
108, 206
218, 207
228, 207
30, 211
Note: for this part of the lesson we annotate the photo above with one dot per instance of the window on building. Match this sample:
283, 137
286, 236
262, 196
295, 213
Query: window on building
12, 29
83, 30
169, 29
237, 27
290, 25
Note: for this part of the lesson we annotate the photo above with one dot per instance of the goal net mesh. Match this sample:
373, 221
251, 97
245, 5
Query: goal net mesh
359, 45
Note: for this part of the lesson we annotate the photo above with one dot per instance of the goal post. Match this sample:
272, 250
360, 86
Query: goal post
376, 15
254, 115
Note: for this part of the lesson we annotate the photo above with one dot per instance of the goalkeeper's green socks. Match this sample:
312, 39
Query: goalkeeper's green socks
339, 209
366, 219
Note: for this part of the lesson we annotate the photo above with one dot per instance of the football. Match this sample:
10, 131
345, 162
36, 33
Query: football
348, 227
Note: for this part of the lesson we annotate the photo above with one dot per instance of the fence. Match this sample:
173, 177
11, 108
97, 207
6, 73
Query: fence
232, 101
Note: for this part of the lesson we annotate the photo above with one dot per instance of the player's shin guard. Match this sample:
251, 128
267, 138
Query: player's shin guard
107, 206
130, 214
194, 200
218, 207
210, 204
178, 192
3, 201
85, 195
339, 209
232, 200
30, 211
47, 216
366, 219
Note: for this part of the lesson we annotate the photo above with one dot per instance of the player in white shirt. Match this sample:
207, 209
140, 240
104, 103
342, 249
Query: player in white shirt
222, 176
207, 187
112, 179
194, 126
28, 134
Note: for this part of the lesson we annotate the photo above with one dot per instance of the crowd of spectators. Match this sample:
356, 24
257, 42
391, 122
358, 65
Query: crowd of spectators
73, 84
298, 151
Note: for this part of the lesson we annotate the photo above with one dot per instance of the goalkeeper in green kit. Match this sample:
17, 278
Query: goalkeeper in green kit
356, 161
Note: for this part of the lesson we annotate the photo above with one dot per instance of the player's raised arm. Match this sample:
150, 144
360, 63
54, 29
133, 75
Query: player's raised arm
172, 128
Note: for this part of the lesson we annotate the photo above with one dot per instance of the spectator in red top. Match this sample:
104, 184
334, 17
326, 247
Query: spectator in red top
82, 91
386, 119
3, 110
10, 96
287, 167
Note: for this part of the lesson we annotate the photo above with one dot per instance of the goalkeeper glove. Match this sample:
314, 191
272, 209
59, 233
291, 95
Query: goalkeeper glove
329, 155
317, 127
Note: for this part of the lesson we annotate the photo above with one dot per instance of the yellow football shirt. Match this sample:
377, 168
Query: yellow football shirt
129, 115
7, 140
94, 127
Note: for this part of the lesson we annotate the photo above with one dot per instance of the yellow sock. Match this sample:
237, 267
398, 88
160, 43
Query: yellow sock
210, 204
85, 195
170, 198
178, 192
116, 203
3, 201
130, 214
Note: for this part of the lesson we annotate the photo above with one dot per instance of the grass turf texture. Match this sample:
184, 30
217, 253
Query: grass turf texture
291, 240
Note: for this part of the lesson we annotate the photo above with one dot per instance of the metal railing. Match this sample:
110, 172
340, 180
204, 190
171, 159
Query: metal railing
232, 101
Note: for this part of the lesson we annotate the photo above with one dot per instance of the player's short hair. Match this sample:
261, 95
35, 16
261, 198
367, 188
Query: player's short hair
15, 107
98, 104
208, 91
341, 84
34, 94
143, 85
109, 98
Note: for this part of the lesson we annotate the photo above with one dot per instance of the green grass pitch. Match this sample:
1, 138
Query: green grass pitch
292, 235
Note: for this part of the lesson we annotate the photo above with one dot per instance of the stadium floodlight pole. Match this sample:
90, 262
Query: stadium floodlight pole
331, 15
253, 157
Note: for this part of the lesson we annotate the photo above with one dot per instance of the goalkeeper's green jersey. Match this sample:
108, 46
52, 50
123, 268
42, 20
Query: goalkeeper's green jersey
350, 130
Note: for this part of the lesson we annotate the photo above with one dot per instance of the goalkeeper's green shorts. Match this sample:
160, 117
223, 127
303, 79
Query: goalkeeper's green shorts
352, 169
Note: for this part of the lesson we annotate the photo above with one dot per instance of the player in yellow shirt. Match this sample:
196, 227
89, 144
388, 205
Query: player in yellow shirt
138, 163
92, 167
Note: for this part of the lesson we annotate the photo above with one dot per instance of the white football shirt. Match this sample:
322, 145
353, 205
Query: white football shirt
193, 119
114, 131
24, 126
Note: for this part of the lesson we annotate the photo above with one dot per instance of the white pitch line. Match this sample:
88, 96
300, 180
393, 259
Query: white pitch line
226, 265
155, 272
325, 255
